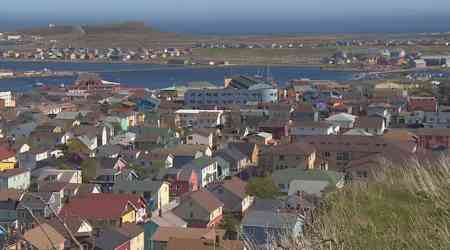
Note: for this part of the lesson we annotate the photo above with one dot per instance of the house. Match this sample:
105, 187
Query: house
191, 118
296, 155
7, 158
162, 235
312, 182
200, 209
233, 194
250, 150
270, 227
296, 129
427, 104
43, 237
201, 136
334, 152
180, 154
342, 120
231, 161
277, 128
372, 125
155, 193
181, 180
107, 209
304, 113
43, 205
79, 228
16, 178
206, 169
9, 200
58, 175
223, 97
433, 139
384, 110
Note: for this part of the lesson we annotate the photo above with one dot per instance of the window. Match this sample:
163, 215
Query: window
327, 154
281, 157
343, 156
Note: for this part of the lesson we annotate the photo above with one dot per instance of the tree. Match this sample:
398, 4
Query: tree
89, 170
75, 146
262, 187
230, 224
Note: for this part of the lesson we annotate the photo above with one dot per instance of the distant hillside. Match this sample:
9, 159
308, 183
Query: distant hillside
127, 35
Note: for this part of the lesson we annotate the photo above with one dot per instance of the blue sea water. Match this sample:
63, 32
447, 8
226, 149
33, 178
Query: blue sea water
157, 76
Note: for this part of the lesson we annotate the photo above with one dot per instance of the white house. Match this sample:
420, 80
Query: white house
201, 137
198, 118
312, 128
7, 97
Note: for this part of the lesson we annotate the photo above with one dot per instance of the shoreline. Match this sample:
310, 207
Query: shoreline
170, 65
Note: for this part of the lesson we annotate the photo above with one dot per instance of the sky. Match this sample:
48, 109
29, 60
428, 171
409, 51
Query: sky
209, 9
173, 13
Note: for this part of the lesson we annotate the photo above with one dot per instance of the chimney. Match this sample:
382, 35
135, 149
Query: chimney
217, 240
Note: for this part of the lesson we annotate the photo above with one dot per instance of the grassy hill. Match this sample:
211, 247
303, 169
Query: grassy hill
404, 207
125, 35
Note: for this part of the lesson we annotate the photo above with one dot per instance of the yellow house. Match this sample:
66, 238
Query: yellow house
7, 165
129, 216
7, 159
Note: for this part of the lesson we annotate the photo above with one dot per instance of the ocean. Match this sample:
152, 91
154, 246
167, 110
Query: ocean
157, 76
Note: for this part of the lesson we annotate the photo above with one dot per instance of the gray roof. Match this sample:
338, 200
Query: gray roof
139, 186
269, 219
290, 174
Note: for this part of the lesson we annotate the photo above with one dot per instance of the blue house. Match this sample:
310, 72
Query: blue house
148, 104
263, 227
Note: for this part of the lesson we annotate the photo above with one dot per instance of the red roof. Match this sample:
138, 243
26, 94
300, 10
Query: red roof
5, 153
101, 206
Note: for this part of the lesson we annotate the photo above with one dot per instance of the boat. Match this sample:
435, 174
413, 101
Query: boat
39, 84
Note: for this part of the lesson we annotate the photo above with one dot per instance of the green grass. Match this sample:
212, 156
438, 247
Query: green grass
406, 207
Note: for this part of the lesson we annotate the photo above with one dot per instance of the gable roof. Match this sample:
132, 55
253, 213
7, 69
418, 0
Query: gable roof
270, 219
6, 153
236, 186
44, 236
205, 199
110, 238
101, 206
